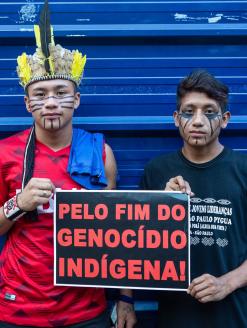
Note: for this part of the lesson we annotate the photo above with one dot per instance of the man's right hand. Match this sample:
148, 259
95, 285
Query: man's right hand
37, 192
179, 184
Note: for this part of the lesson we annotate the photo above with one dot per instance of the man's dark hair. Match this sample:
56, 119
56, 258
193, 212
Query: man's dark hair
203, 81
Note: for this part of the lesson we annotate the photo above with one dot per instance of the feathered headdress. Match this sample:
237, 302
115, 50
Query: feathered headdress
50, 61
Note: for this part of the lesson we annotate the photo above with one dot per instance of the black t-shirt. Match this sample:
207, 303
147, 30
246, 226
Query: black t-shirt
218, 234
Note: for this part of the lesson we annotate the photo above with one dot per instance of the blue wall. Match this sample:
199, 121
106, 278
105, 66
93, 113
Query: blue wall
137, 52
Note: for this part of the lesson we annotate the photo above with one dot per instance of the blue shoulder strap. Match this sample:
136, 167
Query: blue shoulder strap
86, 165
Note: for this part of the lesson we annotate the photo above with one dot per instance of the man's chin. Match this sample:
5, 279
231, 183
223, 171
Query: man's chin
197, 143
52, 124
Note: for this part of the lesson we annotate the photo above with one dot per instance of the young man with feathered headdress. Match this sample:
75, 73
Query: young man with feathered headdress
33, 163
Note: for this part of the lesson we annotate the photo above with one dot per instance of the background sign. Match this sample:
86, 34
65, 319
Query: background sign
137, 239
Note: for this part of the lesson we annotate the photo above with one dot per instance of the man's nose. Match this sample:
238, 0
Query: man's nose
198, 118
51, 101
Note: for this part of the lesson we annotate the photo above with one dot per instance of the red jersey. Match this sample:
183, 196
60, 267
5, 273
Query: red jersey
27, 294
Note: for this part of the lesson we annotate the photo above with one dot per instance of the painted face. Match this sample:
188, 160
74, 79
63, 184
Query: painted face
199, 119
52, 103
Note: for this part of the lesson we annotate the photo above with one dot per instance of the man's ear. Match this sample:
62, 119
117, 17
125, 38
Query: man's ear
176, 118
77, 100
225, 119
26, 99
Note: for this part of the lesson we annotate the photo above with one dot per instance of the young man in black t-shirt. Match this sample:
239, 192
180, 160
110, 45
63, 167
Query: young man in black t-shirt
216, 179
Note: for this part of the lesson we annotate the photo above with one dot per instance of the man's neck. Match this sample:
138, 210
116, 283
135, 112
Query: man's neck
55, 140
202, 154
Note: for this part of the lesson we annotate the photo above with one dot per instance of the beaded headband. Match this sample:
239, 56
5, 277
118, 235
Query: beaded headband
49, 61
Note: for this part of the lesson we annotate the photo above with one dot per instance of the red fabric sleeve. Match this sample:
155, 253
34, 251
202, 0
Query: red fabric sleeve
104, 152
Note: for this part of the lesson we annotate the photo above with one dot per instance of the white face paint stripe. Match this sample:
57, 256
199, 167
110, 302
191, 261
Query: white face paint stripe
50, 97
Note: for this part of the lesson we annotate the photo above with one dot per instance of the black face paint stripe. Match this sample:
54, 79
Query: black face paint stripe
35, 99
67, 107
66, 102
211, 127
37, 104
34, 110
65, 97
186, 124
186, 118
210, 119
218, 127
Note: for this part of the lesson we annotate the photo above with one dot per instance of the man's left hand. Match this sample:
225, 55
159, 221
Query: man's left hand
208, 288
126, 317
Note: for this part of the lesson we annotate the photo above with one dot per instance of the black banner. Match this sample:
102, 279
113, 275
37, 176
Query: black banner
133, 239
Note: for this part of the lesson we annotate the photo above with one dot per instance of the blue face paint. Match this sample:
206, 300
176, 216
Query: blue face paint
187, 116
213, 116
210, 116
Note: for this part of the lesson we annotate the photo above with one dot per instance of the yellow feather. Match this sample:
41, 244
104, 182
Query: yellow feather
78, 65
24, 69
37, 36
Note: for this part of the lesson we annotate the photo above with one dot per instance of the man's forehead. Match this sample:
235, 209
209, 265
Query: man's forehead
196, 99
50, 85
